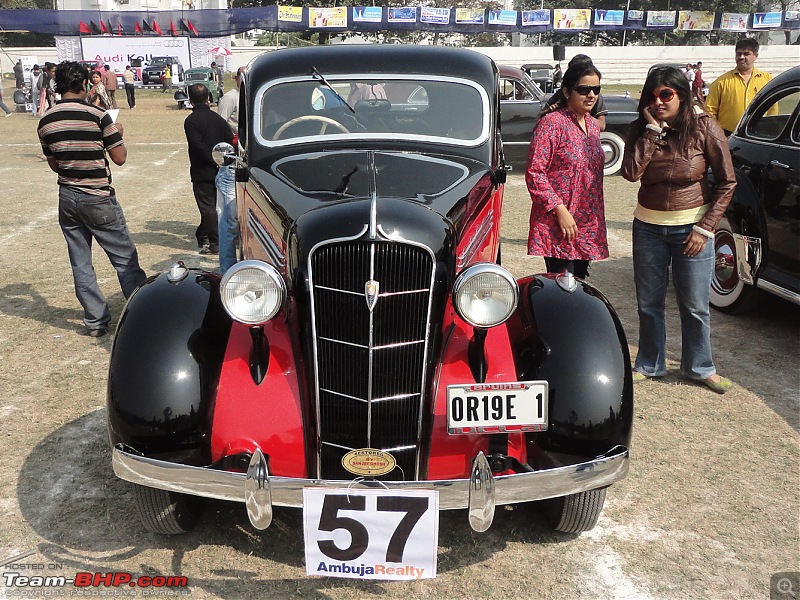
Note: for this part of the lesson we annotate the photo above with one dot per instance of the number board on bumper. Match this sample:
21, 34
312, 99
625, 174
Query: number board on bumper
497, 407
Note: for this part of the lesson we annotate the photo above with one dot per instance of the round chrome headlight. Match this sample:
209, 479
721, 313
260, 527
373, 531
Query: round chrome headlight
485, 295
252, 292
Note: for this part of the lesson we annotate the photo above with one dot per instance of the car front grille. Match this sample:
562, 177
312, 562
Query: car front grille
370, 364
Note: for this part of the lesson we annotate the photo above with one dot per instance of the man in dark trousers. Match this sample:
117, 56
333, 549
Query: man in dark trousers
78, 139
19, 75
204, 129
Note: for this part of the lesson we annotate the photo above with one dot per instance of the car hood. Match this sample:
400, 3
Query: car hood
410, 196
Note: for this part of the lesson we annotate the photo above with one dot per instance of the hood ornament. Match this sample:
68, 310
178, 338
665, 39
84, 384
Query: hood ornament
371, 289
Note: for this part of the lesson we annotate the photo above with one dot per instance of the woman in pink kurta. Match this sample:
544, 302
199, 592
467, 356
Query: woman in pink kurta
565, 179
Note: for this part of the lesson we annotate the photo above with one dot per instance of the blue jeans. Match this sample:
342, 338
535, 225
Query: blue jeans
654, 248
83, 217
227, 212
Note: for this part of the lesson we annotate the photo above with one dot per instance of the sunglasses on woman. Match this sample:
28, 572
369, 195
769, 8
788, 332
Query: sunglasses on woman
665, 95
584, 90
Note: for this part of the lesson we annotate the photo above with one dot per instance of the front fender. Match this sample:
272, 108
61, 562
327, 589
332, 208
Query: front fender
575, 341
165, 365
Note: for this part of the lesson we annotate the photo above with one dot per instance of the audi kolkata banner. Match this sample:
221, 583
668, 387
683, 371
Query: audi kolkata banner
119, 51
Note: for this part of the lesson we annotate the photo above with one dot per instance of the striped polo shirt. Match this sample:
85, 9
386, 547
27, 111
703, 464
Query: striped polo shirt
78, 134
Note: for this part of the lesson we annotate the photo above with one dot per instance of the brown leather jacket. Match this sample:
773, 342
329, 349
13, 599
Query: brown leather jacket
674, 180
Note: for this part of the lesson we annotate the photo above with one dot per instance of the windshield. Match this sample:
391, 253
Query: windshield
446, 110
197, 76
158, 61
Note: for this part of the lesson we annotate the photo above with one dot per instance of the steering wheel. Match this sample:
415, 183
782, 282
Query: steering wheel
304, 119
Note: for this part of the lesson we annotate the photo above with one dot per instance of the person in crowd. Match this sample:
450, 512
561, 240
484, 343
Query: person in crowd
228, 109
166, 80
669, 149
219, 78
129, 77
698, 83
564, 176
557, 100
35, 81
3, 104
558, 75
97, 94
77, 139
19, 75
731, 93
688, 72
49, 84
110, 82
364, 91
204, 129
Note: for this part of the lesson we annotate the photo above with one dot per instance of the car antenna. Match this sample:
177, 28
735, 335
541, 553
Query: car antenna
316, 73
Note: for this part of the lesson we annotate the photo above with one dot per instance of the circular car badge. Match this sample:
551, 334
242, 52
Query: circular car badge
368, 461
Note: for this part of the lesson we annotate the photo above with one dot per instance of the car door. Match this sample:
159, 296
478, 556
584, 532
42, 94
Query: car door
520, 105
778, 121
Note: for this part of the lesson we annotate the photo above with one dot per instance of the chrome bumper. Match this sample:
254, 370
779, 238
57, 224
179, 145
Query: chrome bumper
260, 491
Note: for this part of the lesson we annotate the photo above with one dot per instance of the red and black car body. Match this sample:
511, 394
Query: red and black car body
370, 295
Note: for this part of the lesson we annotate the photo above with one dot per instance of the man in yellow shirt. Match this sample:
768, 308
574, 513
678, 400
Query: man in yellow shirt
732, 92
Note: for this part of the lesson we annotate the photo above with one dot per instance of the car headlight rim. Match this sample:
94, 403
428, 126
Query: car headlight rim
497, 290
252, 292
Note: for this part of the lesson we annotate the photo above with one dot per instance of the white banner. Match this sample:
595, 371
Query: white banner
119, 51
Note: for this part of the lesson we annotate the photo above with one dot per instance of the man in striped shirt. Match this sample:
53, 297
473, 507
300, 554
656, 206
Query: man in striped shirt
76, 137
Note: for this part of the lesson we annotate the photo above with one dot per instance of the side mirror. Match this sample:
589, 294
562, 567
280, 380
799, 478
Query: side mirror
223, 154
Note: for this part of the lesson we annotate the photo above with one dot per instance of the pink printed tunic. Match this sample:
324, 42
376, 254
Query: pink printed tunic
565, 166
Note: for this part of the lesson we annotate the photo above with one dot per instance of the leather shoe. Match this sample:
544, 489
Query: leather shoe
212, 249
721, 386
95, 333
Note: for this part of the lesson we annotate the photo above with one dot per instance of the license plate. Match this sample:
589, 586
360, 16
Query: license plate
497, 407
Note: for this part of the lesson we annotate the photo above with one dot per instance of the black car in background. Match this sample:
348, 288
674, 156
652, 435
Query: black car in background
154, 71
758, 241
521, 101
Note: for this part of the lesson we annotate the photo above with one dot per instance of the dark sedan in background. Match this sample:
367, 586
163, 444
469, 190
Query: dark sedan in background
758, 241
521, 102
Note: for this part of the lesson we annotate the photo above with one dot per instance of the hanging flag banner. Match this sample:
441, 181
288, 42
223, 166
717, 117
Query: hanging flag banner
695, 20
440, 16
290, 14
469, 16
328, 17
734, 22
571, 18
661, 18
539, 18
503, 17
768, 20
405, 14
367, 14
609, 17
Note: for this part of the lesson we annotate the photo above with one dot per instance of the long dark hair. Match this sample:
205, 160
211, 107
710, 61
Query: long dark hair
577, 70
670, 77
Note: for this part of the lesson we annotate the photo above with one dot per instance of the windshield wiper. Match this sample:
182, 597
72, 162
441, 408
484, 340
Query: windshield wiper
316, 73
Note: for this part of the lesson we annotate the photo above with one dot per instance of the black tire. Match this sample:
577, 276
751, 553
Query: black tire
729, 294
167, 513
575, 513
613, 147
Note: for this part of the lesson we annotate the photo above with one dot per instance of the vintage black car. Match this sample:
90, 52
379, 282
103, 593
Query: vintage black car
521, 102
758, 241
369, 342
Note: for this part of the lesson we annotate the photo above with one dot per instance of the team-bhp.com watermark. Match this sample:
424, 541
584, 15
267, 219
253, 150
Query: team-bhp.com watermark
30, 579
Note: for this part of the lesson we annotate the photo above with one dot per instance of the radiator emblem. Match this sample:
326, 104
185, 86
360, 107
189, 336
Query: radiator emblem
371, 289
368, 462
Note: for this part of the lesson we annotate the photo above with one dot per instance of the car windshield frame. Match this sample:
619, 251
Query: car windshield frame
261, 120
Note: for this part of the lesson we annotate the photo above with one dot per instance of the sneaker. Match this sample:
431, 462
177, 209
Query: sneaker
9, 114
212, 249
639, 377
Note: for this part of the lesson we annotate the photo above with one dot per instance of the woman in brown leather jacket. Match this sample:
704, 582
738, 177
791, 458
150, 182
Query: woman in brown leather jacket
670, 148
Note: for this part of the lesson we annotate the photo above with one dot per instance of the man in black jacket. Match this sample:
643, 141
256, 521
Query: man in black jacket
204, 129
